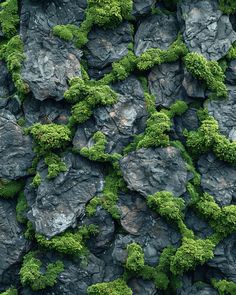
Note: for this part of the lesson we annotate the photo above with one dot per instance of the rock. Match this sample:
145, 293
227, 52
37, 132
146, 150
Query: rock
165, 83
49, 61
16, 153
148, 171
56, 204
198, 288
140, 287
225, 258
224, 111
6, 84
205, 29
156, 31
231, 72
107, 46
218, 179
193, 87
141, 7
13, 244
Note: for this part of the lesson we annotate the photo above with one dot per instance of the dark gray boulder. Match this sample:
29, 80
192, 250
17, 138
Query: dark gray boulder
140, 287
148, 171
49, 61
156, 31
16, 152
56, 204
141, 7
165, 83
193, 87
199, 288
107, 46
231, 72
218, 179
6, 85
13, 244
205, 29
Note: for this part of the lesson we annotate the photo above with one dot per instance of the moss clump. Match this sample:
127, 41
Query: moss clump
10, 188
30, 273
224, 287
135, 260
117, 287
72, 243
10, 291
208, 71
227, 6
55, 165
21, 208
9, 18
36, 180
231, 54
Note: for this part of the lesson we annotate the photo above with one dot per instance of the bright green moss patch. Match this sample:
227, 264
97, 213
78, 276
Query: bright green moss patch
55, 165
135, 260
37, 180
10, 188
227, 6
21, 208
208, 71
32, 275
231, 54
9, 18
70, 242
10, 291
117, 287
224, 287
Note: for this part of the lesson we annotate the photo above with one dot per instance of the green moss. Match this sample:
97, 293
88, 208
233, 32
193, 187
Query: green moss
231, 54
36, 180
208, 71
135, 260
10, 188
10, 291
21, 208
150, 102
9, 18
117, 287
178, 108
31, 274
55, 165
70, 242
227, 6
224, 287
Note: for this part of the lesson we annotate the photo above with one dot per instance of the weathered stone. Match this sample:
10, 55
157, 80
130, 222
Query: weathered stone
218, 179
193, 87
107, 46
140, 287
205, 29
165, 83
199, 288
231, 72
56, 204
16, 153
49, 61
156, 31
141, 7
6, 85
148, 171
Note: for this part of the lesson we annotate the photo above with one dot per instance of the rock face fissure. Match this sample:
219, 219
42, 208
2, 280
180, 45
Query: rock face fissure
117, 151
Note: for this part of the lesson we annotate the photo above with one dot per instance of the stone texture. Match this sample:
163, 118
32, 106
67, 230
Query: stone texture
218, 179
56, 204
193, 87
16, 153
148, 171
140, 287
205, 29
141, 7
199, 288
49, 61
6, 85
231, 72
156, 31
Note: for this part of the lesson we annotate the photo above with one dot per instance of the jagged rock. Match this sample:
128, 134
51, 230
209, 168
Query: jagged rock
118, 122
165, 83
156, 31
13, 244
148, 171
56, 204
107, 46
198, 288
141, 7
231, 72
49, 61
193, 87
205, 29
225, 258
16, 153
218, 179
45, 112
140, 287
224, 111
6, 85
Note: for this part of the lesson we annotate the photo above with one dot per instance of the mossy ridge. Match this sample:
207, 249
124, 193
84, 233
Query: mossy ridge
10, 188
224, 287
31, 275
10, 291
117, 287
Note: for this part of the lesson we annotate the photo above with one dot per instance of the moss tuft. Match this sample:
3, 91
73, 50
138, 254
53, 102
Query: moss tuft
21, 208
10, 291
9, 18
10, 188
117, 287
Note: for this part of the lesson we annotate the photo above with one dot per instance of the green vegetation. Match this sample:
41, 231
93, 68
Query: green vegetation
227, 6
55, 165
117, 287
10, 291
37, 180
21, 208
31, 274
208, 71
135, 260
224, 287
231, 54
9, 18
70, 242
10, 188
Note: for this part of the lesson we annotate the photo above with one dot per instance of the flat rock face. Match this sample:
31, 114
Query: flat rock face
218, 179
140, 287
6, 85
49, 61
107, 46
13, 243
148, 171
205, 29
141, 7
16, 152
231, 72
156, 31
56, 204
225, 113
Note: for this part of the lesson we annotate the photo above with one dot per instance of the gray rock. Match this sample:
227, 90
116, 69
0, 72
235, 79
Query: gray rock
16, 153
148, 171
205, 29
218, 179
225, 258
141, 7
56, 204
193, 87
198, 288
6, 85
231, 72
156, 31
140, 287
49, 61
13, 244
165, 83
107, 46
224, 111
